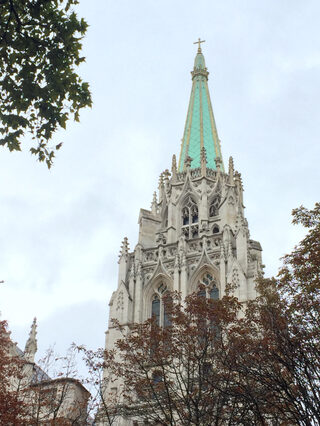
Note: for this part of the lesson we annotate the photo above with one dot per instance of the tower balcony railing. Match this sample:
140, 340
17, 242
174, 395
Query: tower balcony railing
193, 246
196, 173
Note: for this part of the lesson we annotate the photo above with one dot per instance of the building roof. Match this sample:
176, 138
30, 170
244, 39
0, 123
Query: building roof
61, 380
200, 129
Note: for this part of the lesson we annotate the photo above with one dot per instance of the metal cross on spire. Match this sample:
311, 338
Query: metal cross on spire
198, 43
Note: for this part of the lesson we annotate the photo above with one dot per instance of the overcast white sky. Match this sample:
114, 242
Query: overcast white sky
61, 230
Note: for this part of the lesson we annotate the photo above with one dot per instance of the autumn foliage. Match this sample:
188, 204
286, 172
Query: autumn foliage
221, 362
11, 408
28, 397
216, 362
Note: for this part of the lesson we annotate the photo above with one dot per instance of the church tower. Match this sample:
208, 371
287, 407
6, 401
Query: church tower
195, 231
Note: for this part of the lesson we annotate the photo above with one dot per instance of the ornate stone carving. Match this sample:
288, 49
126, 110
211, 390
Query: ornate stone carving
120, 302
235, 277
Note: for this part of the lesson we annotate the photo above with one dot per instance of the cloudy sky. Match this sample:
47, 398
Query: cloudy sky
61, 230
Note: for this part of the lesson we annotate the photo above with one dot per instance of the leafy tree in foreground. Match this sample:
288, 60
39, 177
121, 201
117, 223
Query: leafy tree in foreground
221, 362
181, 374
11, 408
40, 44
28, 396
283, 346
104, 404
56, 400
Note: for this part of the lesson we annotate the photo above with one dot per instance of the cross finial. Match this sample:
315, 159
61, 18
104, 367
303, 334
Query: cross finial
198, 43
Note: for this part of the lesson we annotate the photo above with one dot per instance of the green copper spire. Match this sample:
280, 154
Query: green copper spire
200, 128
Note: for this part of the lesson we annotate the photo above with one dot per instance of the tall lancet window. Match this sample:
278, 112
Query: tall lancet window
190, 219
160, 304
214, 207
156, 309
207, 287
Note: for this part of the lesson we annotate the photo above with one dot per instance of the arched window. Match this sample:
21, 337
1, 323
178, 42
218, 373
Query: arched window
190, 219
166, 313
156, 309
214, 207
160, 306
214, 293
202, 293
215, 229
157, 387
207, 287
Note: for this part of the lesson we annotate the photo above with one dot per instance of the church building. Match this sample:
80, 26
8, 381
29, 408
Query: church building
195, 232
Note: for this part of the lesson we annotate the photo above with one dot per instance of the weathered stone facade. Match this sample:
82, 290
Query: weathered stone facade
197, 225
194, 232
44, 401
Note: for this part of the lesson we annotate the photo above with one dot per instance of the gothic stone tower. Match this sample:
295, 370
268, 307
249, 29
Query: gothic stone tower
195, 231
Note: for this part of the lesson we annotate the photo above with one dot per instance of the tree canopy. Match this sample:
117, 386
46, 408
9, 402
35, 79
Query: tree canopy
28, 396
40, 46
11, 409
221, 361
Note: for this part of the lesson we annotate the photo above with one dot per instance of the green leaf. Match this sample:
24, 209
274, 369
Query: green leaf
39, 53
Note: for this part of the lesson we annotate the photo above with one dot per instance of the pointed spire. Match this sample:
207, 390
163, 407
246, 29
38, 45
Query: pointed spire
132, 270
154, 204
238, 182
124, 250
166, 175
161, 188
231, 171
160, 181
174, 168
31, 345
200, 128
123, 261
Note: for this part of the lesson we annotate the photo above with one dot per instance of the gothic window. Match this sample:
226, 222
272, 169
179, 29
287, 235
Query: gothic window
156, 309
214, 293
160, 306
215, 229
214, 207
185, 216
156, 387
207, 287
157, 377
202, 293
190, 219
166, 314
206, 374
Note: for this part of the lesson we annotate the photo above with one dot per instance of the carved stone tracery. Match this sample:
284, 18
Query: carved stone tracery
190, 219
207, 286
214, 207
